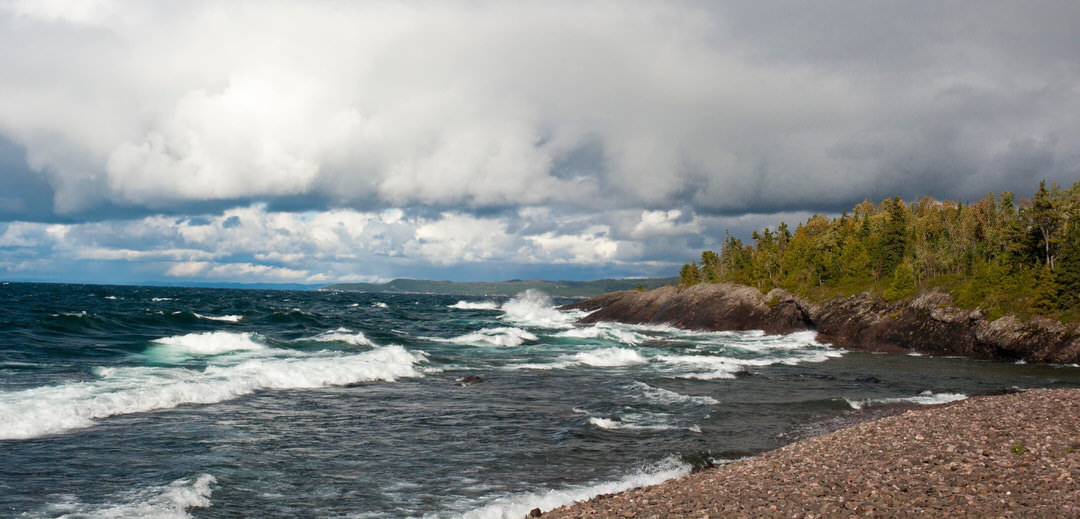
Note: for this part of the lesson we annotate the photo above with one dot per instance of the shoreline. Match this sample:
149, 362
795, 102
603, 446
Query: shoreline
926, 323
1014, 455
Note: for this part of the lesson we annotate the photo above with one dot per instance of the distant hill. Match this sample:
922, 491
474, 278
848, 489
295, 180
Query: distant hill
504, 288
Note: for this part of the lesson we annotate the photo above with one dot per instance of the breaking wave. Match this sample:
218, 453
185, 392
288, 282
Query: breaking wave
344, 335
535, 308
162, 502
518, 505
475, 305
45, 410
204, 344
609, 358
501, 336
924, 398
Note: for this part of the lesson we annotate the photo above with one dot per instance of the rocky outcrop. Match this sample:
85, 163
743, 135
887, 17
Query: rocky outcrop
927, 323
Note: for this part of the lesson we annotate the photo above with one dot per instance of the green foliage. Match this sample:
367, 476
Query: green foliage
903, 283
997, 254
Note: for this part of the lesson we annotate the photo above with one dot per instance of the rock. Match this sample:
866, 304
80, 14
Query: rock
926, 323
535, 512
469, 380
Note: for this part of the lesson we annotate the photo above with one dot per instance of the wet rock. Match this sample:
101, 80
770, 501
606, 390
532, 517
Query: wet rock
469, 380
535, 512
926, 323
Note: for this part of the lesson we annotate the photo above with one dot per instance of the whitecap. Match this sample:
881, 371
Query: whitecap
160, 502
924, 398
225, 318
45, 410
379, 304
501, 336
204, 344
666, 396
474, 305
160, 299
344, 335
603, 331
609, 358
111, 298
519, 505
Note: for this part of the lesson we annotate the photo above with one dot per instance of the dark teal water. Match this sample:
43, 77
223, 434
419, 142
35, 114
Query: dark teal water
178, 402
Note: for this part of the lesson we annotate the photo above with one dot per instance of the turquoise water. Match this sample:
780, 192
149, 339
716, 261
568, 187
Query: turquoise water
180, 402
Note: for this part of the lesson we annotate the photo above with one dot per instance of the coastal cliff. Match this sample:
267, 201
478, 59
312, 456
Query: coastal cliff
926, 323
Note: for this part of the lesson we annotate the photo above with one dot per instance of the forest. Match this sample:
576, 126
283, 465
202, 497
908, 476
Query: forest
998, 254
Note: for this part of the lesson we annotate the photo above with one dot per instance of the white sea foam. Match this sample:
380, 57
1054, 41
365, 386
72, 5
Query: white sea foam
54, 409
203, 344
226, 318
475, 305
518, 505
924, 398
632, 422
605, 331
111, 298
501, 336
344, 335
534, 308
379, 304
160, 299
164, 502
712, 367
665, 396
609, 358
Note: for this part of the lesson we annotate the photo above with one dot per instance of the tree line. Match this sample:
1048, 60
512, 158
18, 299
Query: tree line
998, 254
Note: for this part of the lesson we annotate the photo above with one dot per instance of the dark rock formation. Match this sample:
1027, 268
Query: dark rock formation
927, 323
469, 380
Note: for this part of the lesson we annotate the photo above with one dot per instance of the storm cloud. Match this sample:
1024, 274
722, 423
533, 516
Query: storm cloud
469, 115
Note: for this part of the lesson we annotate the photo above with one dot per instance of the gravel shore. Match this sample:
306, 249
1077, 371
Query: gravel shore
1012, 455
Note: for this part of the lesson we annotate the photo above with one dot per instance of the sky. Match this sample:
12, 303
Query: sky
323, 141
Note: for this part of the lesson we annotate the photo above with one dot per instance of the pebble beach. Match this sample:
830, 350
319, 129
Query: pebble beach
1014, 455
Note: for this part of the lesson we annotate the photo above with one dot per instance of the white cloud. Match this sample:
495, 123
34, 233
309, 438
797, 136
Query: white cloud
491, 104
592, 246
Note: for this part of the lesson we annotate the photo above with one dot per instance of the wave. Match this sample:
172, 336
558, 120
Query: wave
535, 308
518, 505
45, 410
631, 422
714, 367
161, 502
203, 344
344, 335
924, 398
604, 331
501, 336
609, 358
225, 318
474, 305
665, 396
379, 304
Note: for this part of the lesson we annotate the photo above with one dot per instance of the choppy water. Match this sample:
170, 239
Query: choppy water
173, 402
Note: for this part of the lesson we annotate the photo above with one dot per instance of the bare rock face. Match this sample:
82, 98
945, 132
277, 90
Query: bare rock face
705, 306
926, 323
